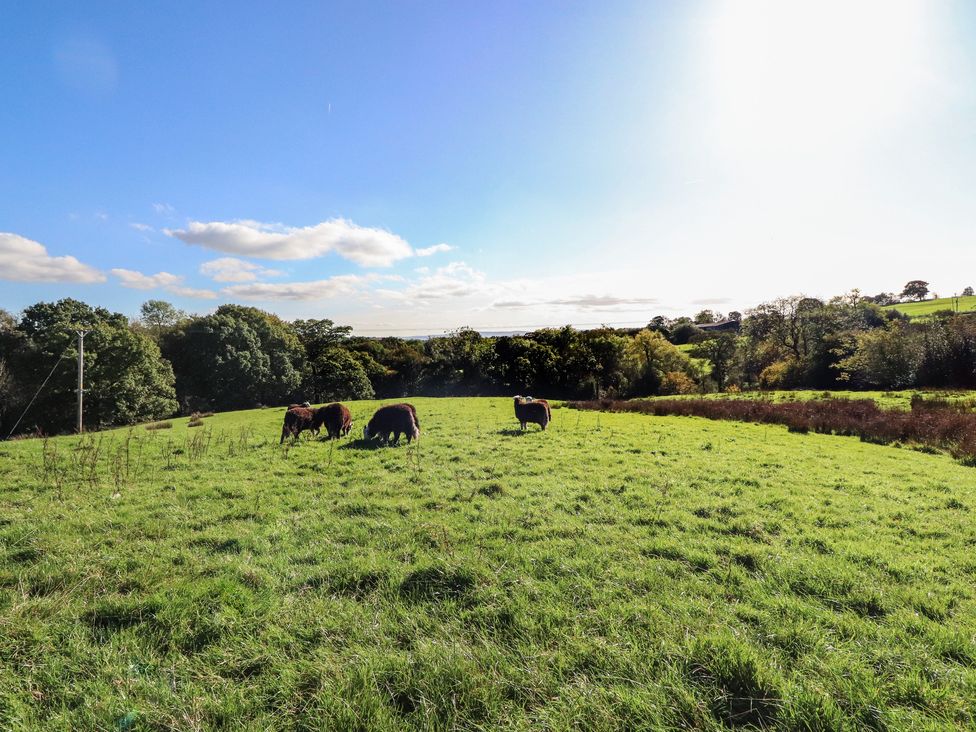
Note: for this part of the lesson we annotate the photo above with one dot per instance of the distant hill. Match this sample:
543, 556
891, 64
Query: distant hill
927, 307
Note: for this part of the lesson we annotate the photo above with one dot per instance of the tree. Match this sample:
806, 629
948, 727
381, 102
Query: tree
236, 358
888, 358
735, 315
158, 315
706, 316
126, 379
318, 336
683, 331
340, 375
968, 292
916, 290
720, 352
459, 363
650, 357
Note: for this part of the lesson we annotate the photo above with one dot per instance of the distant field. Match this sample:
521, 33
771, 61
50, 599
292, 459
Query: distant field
927, 307
617, 571
884, 399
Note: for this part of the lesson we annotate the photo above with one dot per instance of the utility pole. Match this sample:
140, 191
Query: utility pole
81, 378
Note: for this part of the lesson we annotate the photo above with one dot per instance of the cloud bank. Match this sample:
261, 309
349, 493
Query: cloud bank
582, 302
232, 269
160, 281
301, 291
368, 247
25, 260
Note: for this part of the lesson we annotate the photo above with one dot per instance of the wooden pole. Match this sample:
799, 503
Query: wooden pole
81, 379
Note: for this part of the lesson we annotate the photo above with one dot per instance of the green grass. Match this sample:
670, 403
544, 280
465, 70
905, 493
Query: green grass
927, 307
885, 399
614, 572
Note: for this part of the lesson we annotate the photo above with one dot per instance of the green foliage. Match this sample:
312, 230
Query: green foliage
916, 290
720, 352
239, 356
889, 358
336, 375
650, 359
157, 316
126, 380
630, 572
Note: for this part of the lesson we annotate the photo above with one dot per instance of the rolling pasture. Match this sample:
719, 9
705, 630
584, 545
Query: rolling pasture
618, 571
961, 304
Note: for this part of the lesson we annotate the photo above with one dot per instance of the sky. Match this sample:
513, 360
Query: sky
414, 167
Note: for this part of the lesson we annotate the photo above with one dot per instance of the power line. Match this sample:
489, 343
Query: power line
43, 384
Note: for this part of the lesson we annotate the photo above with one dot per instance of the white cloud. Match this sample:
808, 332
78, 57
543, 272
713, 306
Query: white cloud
140, 227
192, 292
25, 260
163, 209
427, 251
315, 290
454, 280
161, 280
232, 269
581, 302
139, 281
368, 247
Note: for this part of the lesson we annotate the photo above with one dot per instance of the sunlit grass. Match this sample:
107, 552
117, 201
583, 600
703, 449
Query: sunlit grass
962, 304
616, 571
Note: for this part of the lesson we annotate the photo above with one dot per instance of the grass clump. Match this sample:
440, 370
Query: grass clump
159, 426
740, 690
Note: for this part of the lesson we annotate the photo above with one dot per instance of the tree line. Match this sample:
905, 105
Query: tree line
167, 362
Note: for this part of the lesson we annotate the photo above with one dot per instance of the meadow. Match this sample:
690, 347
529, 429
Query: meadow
900, 400
961, 304
618, 571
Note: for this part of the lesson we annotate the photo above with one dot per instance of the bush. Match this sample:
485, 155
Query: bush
160, 426
678, 382
779, 375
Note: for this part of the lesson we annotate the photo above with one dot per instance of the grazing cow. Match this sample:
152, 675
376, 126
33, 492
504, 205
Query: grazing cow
536, 411
393, 419
335, 417
541, 401
297, 419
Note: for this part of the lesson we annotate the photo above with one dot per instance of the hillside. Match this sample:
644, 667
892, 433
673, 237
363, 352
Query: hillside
927, 307
614, 572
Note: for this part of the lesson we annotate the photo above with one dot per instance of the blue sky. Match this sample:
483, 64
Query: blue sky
413, 167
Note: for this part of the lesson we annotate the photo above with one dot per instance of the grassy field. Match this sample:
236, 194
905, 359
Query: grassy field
927, 307
615, 572
885, 399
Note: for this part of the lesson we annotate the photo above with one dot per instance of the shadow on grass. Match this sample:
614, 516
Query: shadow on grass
362, 444
513, 432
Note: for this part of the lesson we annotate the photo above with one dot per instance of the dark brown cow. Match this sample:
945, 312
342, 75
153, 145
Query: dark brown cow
536, 411
393, 419
336, 418
297, 419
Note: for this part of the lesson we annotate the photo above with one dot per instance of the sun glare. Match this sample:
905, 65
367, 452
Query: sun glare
807, 77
